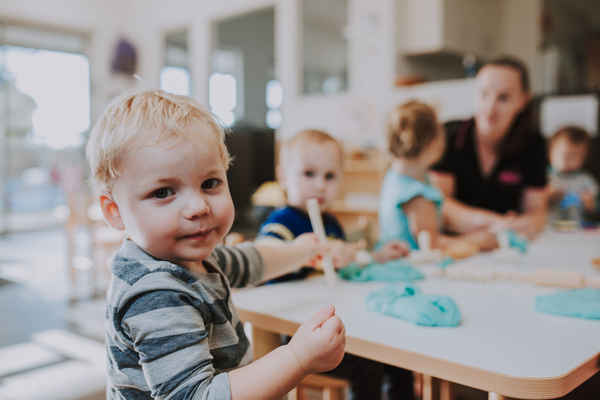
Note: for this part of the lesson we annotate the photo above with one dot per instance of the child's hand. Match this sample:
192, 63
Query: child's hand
589, 200
391, 251
343, 253
526, 225
309, 244
319, 343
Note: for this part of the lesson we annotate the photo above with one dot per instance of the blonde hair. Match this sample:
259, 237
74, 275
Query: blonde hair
147, 117
412, 126
308, 136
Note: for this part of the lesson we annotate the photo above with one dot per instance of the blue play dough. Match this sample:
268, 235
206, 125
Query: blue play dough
577, 303
517, 242
446, 262
408, 303
393, 271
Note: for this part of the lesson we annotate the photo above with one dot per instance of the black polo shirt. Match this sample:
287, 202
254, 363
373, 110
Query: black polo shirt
502, 190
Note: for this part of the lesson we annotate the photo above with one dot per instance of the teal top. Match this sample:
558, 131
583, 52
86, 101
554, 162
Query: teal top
408, 303
393, 271
396, 191
577, 303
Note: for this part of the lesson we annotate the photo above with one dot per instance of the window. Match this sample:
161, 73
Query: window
225, 86
175, 76
175, 80
274, 99
45, 96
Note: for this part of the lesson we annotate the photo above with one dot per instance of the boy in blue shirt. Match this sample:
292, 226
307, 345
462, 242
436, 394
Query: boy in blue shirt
310, 166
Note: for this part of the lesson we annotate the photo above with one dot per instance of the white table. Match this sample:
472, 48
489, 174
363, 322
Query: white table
502, 346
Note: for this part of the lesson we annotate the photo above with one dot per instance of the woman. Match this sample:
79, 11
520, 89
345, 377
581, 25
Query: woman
493, 172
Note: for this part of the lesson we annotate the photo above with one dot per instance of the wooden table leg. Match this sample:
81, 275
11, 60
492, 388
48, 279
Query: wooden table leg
495, 396
446, 390
427, 389
264, 341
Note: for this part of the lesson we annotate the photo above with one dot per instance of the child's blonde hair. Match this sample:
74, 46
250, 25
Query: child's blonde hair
143, 117
412, 126
308, 136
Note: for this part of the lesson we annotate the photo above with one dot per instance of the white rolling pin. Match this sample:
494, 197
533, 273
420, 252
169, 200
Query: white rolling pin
314, 212
556, 277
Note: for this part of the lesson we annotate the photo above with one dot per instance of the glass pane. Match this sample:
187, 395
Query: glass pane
175, 75
243, 47
324, 46
175, 80
222, 96
46, 98
274, 94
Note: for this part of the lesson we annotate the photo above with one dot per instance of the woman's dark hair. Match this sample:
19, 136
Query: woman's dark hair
514, 63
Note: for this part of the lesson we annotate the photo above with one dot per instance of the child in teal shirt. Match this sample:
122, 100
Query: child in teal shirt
409, 204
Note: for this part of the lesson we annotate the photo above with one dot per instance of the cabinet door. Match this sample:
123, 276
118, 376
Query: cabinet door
471, 26
457, 26
420, 25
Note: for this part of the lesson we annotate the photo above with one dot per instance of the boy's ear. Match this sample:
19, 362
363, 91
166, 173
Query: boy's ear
111, 213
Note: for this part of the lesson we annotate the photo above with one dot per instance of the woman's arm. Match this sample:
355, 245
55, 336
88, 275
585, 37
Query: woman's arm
459, 217
535, 212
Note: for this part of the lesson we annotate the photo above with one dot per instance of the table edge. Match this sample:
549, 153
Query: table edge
507, 385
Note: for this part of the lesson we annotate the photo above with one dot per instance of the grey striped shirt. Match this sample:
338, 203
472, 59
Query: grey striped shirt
171, 334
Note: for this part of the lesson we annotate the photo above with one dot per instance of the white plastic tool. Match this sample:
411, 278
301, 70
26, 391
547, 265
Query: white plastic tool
425, 254
314, 212
505, 253
503, 241
424, 241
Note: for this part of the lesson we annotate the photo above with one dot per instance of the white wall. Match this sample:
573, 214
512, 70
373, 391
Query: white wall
95, 18
357, 116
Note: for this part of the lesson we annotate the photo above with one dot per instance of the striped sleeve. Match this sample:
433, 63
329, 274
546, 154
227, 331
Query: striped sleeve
242, 264
169, 335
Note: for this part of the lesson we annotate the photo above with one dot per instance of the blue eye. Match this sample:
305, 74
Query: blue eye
330, 176
309, 173
211, 183
163, 193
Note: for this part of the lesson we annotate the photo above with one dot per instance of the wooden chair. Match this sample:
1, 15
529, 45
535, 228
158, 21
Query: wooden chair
91, 260
320, 387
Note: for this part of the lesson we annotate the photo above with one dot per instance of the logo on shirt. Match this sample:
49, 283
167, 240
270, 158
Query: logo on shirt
510, 177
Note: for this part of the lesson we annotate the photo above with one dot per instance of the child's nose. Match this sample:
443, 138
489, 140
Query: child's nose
321, 183
196, 206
